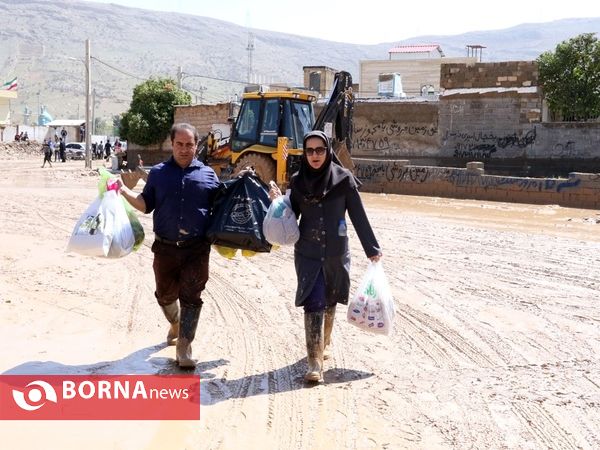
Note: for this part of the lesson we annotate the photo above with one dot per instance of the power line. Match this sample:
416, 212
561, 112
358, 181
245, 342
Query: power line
118, 70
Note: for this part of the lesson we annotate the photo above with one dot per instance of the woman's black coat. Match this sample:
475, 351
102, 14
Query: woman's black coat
321, 246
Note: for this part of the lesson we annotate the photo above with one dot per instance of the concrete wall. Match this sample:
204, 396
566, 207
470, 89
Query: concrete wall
35, 133
395, 129
579, 190
415, 73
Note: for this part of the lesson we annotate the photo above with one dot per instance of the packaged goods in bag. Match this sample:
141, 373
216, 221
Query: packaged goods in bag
280, 225
372, 307
239, 211
103, 229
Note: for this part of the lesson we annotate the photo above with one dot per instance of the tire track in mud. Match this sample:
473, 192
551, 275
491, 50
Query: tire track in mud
435, 339
543, 426
279, 416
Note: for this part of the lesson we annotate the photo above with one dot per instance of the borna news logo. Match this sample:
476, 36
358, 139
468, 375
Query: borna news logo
98, 397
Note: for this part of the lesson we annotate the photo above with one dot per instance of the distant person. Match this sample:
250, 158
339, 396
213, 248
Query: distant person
63, 134
25, 137
17, 137
62, 148
107, 148
47, 153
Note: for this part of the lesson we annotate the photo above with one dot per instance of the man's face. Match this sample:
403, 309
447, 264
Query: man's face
184, 147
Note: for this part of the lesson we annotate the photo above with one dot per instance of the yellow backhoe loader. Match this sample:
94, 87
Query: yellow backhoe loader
268, 133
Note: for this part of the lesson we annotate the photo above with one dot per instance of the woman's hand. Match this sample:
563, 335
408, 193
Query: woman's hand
375, 258
274, 192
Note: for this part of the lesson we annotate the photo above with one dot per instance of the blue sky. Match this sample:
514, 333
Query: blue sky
375, 21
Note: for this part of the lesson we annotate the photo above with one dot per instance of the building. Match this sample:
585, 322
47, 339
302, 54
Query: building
5, 98
419, 67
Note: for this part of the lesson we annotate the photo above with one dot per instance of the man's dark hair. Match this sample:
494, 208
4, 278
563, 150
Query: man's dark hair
184, 126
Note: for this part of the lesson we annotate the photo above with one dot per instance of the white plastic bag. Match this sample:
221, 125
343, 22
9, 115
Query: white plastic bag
372, 307
280, 226
103, 229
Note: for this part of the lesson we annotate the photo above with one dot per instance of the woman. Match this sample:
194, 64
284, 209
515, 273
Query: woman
320, 193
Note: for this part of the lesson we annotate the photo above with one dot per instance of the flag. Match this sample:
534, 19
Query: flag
10, 85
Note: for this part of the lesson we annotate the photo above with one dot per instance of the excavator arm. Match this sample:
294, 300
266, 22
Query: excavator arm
338, 112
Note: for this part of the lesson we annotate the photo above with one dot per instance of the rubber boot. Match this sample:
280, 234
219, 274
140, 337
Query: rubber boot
188, 323
313, 328
327, 328
171, 312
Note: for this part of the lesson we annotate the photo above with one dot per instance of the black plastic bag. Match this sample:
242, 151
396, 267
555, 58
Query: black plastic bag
238, 214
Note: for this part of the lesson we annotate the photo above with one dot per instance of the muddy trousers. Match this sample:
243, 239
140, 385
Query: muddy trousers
181, 273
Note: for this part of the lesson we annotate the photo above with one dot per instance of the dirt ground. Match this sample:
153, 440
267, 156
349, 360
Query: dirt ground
496, 342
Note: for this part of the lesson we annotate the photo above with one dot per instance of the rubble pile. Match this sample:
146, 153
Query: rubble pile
20, 150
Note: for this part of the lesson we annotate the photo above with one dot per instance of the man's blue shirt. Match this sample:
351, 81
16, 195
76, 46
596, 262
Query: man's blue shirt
180, 198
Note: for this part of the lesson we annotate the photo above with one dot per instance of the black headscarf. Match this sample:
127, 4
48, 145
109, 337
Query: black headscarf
312, 183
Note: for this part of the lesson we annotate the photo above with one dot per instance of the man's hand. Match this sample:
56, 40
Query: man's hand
245, 170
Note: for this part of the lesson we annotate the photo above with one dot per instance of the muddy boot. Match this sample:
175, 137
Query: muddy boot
187, 331
327, 327
313, 327
171, 312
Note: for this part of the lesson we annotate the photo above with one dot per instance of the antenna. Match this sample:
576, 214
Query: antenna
250, 49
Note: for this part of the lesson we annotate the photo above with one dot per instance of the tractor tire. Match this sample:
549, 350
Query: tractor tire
264, 166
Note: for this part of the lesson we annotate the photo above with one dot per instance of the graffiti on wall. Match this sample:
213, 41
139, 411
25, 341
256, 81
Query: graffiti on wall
380, 137
391, 172
482, 145
565, 150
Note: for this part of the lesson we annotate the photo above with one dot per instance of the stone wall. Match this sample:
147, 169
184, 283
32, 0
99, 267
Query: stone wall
485, 75
579, 190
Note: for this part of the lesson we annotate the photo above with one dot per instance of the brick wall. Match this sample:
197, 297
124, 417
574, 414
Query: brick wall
203, 116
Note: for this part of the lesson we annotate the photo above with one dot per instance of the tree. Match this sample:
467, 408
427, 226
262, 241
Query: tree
570, 77
152, 111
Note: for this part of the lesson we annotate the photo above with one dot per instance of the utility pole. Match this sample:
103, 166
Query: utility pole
88, 105
39, 115
250, 49
93, 112
179, 76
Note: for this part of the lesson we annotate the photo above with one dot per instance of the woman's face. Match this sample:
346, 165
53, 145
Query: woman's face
316, 151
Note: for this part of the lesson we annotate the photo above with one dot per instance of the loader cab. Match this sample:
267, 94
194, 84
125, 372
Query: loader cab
265, 116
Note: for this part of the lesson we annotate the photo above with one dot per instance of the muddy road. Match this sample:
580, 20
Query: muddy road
496, 342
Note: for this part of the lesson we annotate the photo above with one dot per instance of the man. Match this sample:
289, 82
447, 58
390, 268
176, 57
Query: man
47, 153
180, 191
107, 148
62, 149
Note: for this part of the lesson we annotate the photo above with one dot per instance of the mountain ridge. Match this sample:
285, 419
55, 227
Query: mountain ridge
43, 41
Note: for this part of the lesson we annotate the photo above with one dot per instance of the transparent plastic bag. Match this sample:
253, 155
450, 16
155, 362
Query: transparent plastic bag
280, 225
372, 307
103, 229
105, 183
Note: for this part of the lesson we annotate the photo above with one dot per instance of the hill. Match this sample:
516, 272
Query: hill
43, 44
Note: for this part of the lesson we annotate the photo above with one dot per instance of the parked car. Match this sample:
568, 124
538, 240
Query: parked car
75, 150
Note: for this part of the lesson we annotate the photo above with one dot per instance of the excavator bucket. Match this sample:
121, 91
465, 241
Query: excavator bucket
131, 178
343, 155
